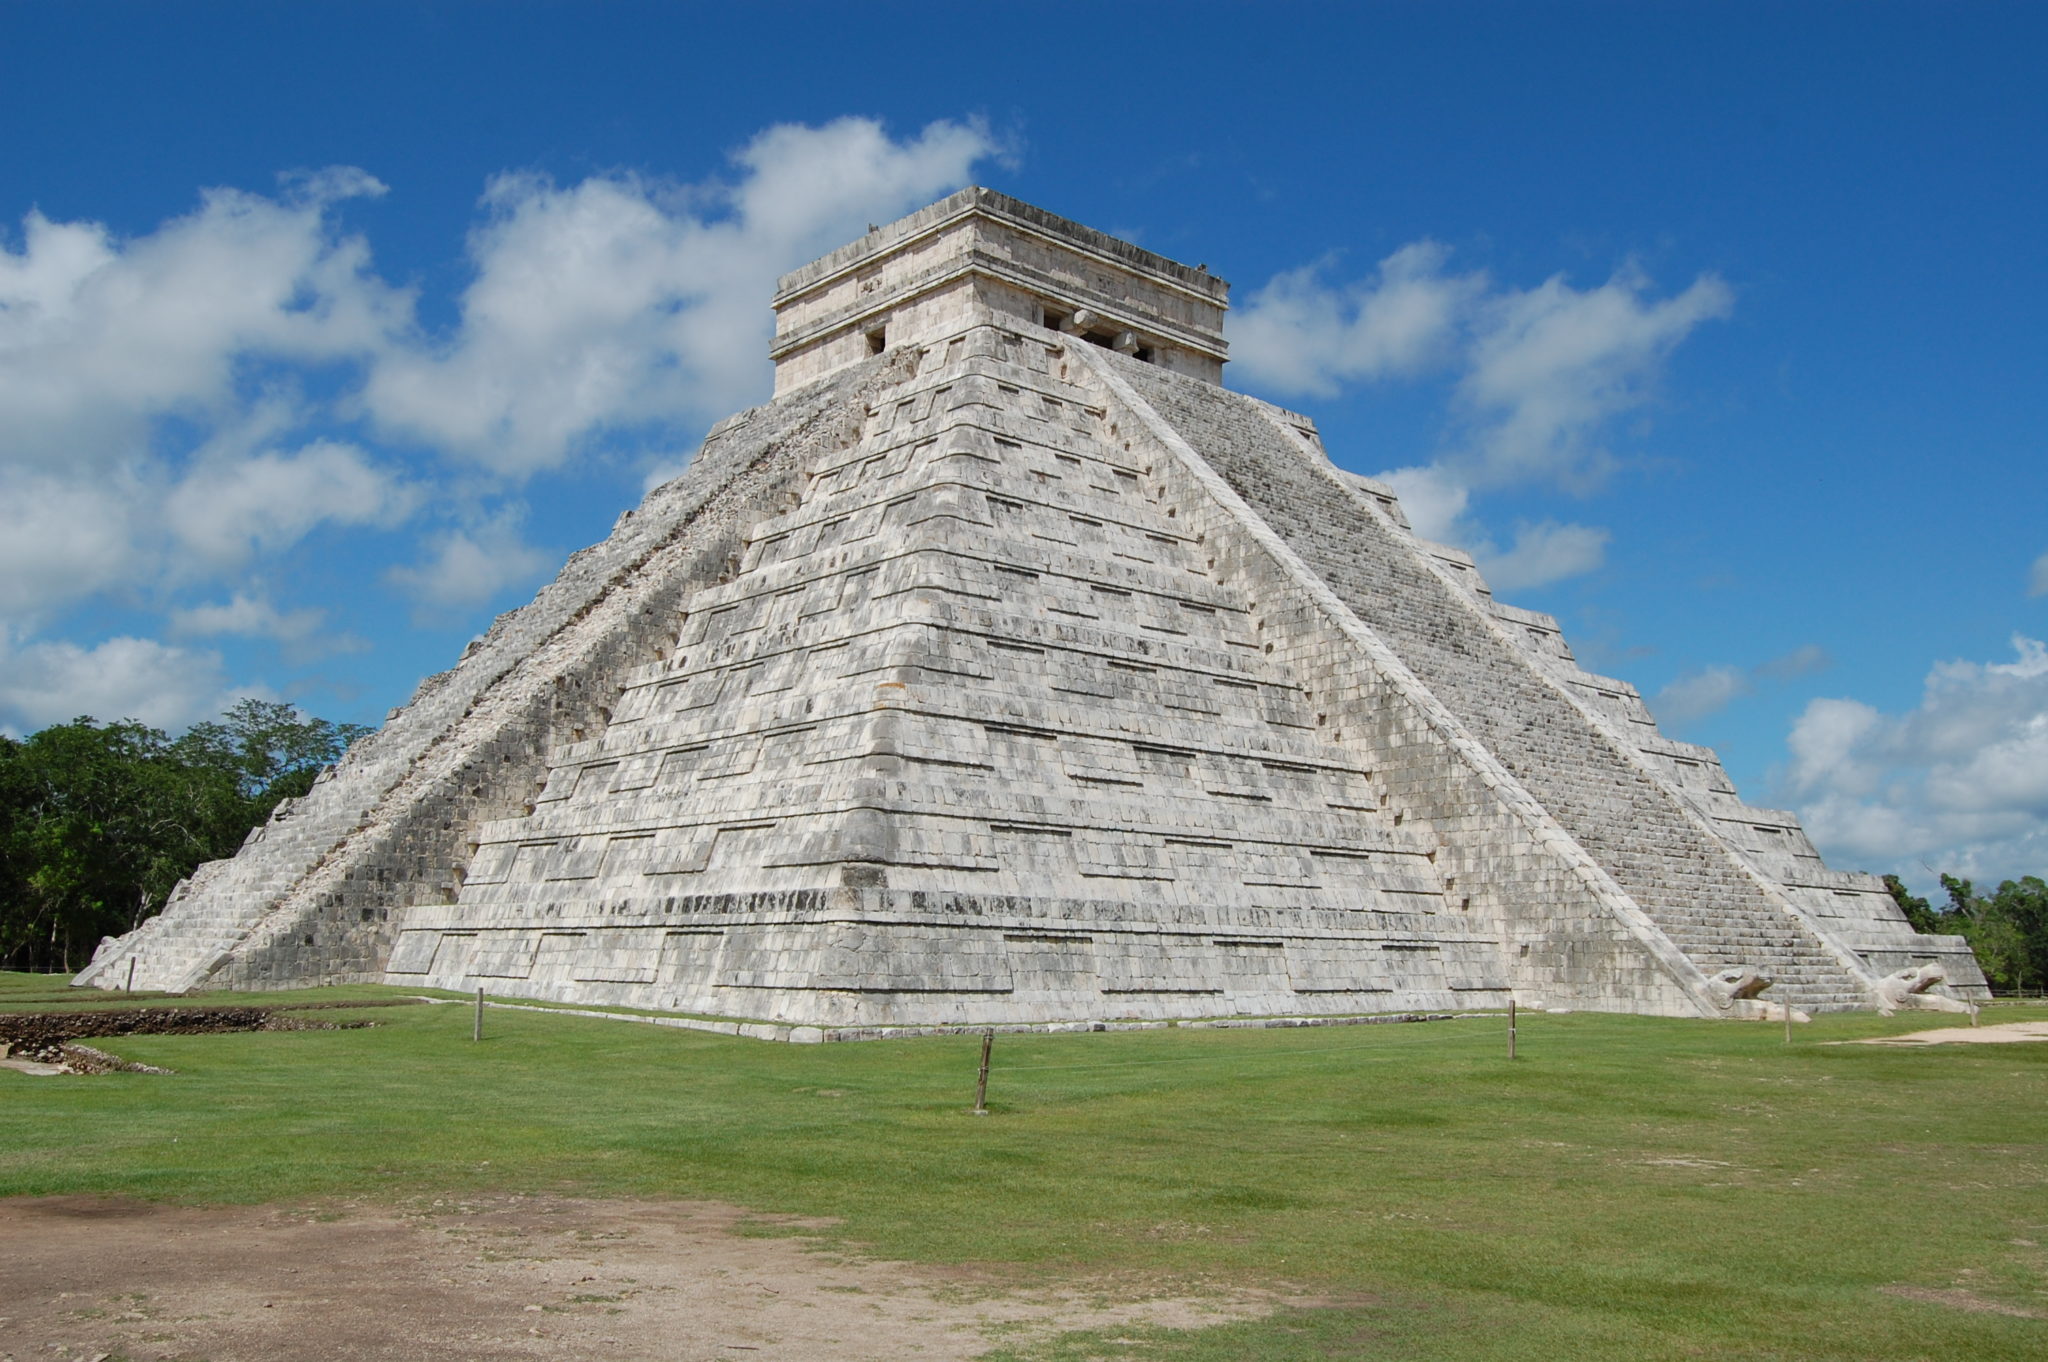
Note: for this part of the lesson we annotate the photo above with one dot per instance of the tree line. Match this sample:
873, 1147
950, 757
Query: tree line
99, 822
2007, 928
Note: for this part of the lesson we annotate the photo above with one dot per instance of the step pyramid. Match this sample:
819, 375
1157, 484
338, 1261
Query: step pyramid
1007, 668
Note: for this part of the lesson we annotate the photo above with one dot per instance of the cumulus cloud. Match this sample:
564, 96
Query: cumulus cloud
48, 682
1543, 552
1435, 500
99, 337
1959, 782
1303, 335
230, 510
1539, 376
247, 615
1550, 367
1701, 693
469, 565
125, 388
621, 302
1709, 690
63, 537
181, 406
302, 634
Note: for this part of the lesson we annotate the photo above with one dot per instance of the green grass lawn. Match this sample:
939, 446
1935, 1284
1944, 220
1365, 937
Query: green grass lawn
1629, 1188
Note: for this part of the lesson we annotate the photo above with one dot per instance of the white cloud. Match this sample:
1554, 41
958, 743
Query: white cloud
1540, 371
467, 566
1299, 334
2037, 579
1550, 366
1540, 374
228, 511
125, 396
1544, 552
99, 337
1699, 694
1804, 660
65, 537
302, 635
1960, 782
43, 683
180, 406
619, 302
1435, 501
247, 615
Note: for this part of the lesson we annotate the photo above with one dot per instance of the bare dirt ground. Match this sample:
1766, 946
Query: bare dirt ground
514, 1277
2005, 1033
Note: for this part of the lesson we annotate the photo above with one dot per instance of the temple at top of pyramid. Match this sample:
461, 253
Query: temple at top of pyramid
980, 256
1007, 668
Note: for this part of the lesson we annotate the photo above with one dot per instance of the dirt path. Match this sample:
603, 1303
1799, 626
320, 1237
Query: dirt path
2005, 1033
501, 1278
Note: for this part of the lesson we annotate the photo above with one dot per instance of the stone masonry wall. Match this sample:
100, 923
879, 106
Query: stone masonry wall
1695, 890
315, 896
1568, 936
973, 735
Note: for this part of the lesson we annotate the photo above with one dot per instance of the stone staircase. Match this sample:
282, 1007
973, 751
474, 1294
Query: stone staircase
213, 912
1690, 883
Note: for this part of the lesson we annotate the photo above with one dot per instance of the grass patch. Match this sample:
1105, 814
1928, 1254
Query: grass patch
1630, 1188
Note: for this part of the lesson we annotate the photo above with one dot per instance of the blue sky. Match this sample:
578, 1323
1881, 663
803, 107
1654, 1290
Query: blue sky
326, 333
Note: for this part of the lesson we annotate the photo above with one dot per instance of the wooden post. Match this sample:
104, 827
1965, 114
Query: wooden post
988, 1040
1788, 1023
131, 975
1511, 1028
478, 1033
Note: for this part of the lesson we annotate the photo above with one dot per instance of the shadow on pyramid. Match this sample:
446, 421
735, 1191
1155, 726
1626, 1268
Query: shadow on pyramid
1007, 669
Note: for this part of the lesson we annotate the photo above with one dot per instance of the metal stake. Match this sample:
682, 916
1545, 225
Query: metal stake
478, 1033
1511, 1028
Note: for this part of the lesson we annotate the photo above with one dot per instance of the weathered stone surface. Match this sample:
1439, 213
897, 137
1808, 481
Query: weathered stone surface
1021, 673
1914, 988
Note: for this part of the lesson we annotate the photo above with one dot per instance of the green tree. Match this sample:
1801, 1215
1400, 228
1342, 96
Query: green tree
99, 822
1917, 910
2008, 929
2017, 915
274, 752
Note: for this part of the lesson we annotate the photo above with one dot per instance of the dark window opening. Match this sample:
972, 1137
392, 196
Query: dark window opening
878, 340
1062, 319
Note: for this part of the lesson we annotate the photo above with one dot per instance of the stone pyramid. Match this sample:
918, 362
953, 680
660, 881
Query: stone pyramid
1005, 667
